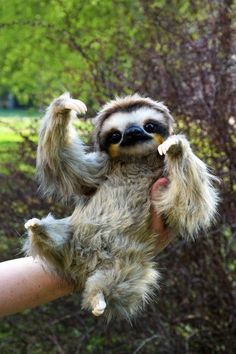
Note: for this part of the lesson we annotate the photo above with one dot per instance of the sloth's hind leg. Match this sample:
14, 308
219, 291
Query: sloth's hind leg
93, 296
120, 291
47, 239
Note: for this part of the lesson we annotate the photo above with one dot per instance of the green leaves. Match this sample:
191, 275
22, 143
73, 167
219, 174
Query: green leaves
52, 46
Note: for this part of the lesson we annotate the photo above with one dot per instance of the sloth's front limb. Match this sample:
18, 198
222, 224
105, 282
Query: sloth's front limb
190, 200
48, 239
63, 166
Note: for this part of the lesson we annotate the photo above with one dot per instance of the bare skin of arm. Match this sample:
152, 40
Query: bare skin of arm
25, 284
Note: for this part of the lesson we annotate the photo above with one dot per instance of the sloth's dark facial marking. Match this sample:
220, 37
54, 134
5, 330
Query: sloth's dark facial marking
151, 126
113, 137
135, 134
132, 135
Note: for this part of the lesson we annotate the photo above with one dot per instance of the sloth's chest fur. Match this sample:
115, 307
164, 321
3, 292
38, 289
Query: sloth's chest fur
121, 206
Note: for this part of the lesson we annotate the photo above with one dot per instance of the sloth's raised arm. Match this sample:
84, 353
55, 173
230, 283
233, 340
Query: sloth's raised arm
64, 168
190, 201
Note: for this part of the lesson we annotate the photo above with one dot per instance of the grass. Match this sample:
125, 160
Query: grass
18, 113
14, 124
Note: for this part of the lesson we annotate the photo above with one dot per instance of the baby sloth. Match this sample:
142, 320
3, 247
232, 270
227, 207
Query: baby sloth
106, 247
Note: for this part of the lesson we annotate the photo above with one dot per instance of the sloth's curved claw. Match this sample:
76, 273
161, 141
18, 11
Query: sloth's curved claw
100, 305
75, 105
98, 311
65, 102
165, 146
33, 224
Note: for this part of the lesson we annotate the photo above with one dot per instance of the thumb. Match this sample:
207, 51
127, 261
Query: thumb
161, 182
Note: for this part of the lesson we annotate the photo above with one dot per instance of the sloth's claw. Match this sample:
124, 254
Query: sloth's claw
99, 309
100, 305
165, 146
32, 224
75, 105
65, 102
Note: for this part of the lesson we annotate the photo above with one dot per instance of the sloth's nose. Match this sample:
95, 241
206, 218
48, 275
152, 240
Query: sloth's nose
133, 131
134, 135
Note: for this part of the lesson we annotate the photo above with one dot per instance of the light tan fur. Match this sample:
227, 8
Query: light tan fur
106, 247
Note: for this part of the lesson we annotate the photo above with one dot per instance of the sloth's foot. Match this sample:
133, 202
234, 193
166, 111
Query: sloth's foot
173, 145
37, 231
98, 304
33, 225
65, 102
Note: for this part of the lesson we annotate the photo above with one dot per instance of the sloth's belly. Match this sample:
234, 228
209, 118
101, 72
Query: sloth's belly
120, 206
114, 224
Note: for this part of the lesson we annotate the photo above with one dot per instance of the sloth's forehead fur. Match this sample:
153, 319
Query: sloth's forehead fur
122, 111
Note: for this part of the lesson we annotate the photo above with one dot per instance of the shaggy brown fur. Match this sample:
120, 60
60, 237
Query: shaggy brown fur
106, 247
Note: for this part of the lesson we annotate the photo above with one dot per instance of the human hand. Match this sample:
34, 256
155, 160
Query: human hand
165, 235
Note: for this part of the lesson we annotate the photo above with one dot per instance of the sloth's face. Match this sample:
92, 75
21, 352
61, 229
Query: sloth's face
133, 133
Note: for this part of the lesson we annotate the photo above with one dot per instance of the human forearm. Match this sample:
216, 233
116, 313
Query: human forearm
25, 284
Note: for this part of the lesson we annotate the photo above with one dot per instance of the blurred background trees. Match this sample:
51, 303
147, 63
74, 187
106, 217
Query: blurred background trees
181, 52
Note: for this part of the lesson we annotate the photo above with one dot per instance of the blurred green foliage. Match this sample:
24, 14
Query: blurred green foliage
48, 47
88, 47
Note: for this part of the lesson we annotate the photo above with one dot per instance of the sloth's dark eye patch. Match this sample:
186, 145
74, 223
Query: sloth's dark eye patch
156, 127
150, 127
114, 137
